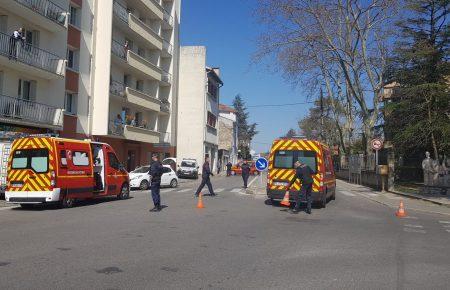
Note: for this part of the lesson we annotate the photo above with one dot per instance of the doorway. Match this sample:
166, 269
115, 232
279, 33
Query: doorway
131, 160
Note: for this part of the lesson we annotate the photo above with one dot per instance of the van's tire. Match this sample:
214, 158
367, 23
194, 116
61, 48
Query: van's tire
173, 183
124, 192
144, 185
67, 202
323, 202
26, 206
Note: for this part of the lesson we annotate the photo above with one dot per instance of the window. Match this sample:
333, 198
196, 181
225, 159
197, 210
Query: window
166, 170
80, 158
1, 82
72, 59
35, 159
127, 80
74, 16
308, 158
212, 88
140, 85
63, 156
211, 120
27, 90
70, 104
113, 161
286, 159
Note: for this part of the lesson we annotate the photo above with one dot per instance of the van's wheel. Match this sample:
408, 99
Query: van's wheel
26, 206
67, 202
174, 183
124, 192
323, 202
144, 185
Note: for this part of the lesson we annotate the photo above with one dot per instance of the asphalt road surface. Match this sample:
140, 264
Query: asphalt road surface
236, 242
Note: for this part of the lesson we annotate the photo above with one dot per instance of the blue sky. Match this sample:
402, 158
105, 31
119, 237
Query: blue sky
229, 31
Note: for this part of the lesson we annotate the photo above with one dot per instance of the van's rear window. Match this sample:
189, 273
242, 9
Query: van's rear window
285, 159
35, 159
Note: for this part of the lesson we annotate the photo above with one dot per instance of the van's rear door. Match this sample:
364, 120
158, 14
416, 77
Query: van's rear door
79, 178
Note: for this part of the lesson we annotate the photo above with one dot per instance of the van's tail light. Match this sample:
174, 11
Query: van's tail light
53, 182
321, 179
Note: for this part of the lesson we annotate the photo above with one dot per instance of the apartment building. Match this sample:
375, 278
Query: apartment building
228, 135
199, 94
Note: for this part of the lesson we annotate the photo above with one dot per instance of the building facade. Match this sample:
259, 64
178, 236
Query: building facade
228, 135
198, 111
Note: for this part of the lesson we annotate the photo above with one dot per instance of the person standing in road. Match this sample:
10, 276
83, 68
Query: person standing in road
156, 171
304, 173
245, 172
205, 178
229, 166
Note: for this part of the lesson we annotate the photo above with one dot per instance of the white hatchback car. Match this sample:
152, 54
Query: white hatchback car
139, 177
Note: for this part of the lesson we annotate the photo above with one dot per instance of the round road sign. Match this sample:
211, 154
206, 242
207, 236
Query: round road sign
261, 164
377, 144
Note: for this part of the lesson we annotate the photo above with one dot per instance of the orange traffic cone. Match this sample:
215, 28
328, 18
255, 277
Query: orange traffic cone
285, 200
200, 201
401, 210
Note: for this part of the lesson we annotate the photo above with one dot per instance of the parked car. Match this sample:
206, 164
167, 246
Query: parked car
237, 170
188, 168
139, 177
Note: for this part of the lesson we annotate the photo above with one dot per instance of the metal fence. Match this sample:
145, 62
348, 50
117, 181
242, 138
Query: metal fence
168, 18
167, 47
165, 106
167, 77
117, 88
47, 9
120, 11
30, 111
119, 49
358, 162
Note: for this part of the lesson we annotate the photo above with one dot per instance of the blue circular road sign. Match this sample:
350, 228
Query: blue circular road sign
261, 164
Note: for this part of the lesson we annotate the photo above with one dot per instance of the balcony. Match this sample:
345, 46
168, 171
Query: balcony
132, 24
43, 13
134, 63
166, 78
168, 20
134, 97
30, 59
165, 107
149, 6
134, 133
167, 49
28, 113
165, 138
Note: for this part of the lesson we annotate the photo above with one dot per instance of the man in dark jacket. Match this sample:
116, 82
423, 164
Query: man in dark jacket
245, 172
156, 171
304, 173
205, 178
229, 165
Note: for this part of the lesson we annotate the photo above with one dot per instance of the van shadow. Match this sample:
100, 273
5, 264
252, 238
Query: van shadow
79, 203
286, 208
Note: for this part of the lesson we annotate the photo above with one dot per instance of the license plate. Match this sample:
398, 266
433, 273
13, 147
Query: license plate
16, 184
278, 183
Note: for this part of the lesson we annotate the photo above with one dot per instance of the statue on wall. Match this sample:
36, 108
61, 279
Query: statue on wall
429, 167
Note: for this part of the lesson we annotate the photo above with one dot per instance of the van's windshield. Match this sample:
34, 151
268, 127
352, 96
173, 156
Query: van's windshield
285, 159
188, 164
35, 159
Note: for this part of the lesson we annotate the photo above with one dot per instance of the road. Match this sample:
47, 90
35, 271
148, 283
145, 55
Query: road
236, 242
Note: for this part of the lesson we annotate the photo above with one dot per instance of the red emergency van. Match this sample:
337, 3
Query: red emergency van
57, 170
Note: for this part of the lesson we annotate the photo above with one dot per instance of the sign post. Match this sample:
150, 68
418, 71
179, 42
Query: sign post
377, 144
261, 165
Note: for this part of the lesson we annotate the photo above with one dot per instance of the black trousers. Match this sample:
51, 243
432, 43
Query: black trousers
155, 187
305, 190
245, 178
205, 181
228, 172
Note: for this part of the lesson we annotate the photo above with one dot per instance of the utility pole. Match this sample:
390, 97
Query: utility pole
321, 115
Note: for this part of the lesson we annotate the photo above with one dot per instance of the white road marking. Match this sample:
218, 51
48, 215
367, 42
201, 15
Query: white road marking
167, 189
410, 230
219, 190
236, 190
446, 226
394, 197
372, 194
413, 226
444, 222
347, 193
8, 207
251, 181
185, 190
410, 217
448, 231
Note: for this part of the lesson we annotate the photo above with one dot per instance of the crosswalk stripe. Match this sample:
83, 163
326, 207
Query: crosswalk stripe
410, 230
413, 226
185, 190
410, 217
444, 222
168, 189
236, 190
347, 193
219, 190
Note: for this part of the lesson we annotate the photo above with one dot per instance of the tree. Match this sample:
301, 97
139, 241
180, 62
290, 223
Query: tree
246, 131
418, 115
345, 38
290, 134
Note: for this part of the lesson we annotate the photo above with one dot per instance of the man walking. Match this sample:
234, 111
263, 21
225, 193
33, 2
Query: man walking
156, 170
229, 166
304, 174
245, 172
205, 178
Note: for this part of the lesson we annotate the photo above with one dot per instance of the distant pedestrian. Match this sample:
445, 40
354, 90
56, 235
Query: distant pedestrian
304, 173
219, 164
156, 171
16, 36
245, 172
205, 178
229, 166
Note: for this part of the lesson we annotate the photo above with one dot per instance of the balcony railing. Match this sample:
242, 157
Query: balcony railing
167, 47
167, 77
164, 137
19, 109
117, 88
122, 13
119, 49
31, 55
165, 106
47, 9
168, 18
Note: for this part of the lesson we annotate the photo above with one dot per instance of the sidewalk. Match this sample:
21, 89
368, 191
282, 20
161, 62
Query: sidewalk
444, 200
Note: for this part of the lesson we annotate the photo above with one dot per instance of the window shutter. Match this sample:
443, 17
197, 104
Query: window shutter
33, 85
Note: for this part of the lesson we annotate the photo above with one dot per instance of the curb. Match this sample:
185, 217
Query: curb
421, 198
